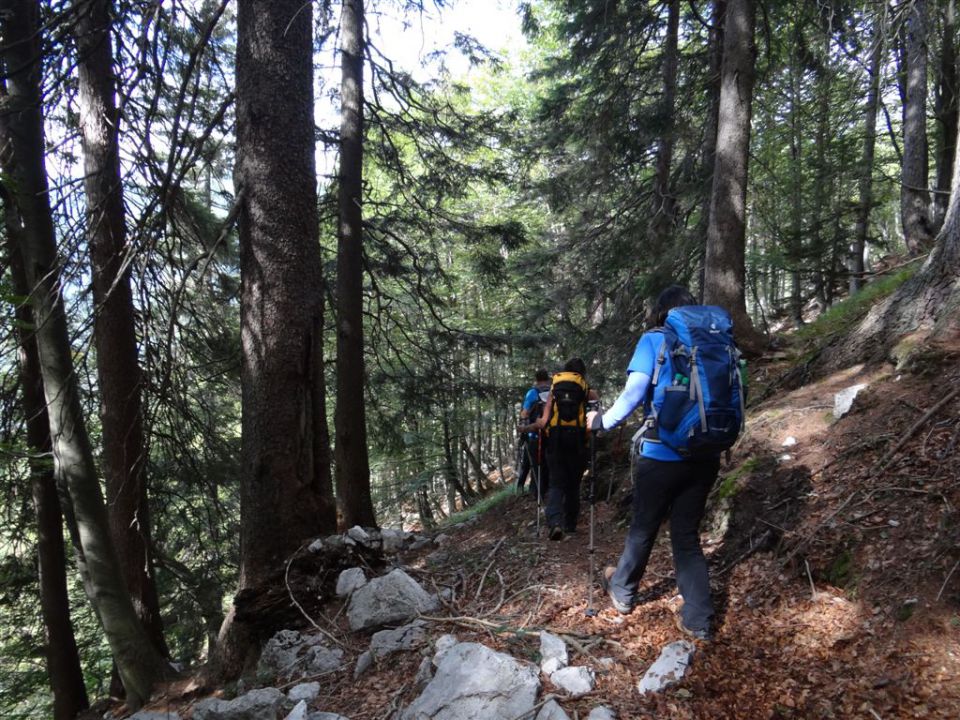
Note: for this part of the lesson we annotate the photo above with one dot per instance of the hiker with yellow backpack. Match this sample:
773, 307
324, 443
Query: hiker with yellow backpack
564, 422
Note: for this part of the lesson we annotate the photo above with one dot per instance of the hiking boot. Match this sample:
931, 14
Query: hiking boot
556, 533
705, 635
621, 607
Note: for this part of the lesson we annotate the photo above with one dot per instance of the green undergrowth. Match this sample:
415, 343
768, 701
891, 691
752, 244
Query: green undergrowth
481, 506
842, 316
730, 485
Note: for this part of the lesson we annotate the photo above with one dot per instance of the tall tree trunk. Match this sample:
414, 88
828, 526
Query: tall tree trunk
138, 662
821, 186
664, 205
725, 271
63, 660
123, 456
285, 489
914, 196
794, 249
709, 152
947, 113
865, 202
350, 450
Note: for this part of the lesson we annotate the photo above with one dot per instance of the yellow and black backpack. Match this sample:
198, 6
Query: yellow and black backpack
569, 414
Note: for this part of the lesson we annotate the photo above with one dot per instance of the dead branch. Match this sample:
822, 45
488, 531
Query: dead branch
913, 429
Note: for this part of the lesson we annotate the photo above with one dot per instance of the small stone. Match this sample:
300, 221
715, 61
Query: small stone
359, 535
316, 546
363, 663
575, 681
670, 667
551, 710
441, 539
843, 400
304, 691
789, 442
421, 542
299, 711
602, 713
553, 653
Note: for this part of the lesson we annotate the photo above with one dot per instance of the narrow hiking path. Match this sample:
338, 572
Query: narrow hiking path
834, 578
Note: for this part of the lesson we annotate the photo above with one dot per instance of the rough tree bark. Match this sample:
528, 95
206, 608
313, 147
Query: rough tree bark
709, 151
914, 195
865, 202
285, 489
139, 664
664, 205
123, 456
947, 112
725, 269
63, 660
350, 449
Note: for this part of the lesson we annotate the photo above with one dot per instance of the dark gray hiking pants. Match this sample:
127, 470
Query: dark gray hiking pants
679, 489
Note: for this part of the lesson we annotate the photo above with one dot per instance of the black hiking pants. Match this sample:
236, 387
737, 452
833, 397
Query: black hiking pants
677, 489
566, 461
534, 464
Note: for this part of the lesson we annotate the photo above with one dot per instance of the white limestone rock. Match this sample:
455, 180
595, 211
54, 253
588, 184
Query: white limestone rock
350, 580
307, 691
393, 598
669, 668
254, 705
575, 681
843, 400
553, 653
551, 710
474, 681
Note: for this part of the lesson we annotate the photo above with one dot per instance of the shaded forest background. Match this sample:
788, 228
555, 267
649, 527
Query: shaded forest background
213, 350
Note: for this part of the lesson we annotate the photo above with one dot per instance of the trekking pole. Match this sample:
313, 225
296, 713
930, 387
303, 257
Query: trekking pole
591, 549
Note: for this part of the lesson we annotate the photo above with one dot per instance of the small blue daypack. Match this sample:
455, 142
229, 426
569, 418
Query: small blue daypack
698, 396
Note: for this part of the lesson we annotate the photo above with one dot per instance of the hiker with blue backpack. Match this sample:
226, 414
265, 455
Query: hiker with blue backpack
685, 372
532, 460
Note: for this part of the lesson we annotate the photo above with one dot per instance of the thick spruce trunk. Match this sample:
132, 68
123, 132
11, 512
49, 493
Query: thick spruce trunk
350, 448
947, 112
725, 269
914, 194
123, 457
285, 488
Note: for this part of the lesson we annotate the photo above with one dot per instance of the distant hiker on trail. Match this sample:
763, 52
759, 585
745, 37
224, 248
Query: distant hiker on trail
685, 371
564, 420
531, 450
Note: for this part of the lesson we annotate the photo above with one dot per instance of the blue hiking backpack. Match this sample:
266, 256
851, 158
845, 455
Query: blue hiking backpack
698, 396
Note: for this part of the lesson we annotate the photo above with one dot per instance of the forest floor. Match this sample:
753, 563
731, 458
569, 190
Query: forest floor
834, 553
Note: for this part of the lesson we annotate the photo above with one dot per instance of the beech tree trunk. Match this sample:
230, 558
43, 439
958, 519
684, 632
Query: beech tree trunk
725, 270
124, 452
138, 662
947, 113
865, 203
63, 660
914, 196
350, 449
285, 489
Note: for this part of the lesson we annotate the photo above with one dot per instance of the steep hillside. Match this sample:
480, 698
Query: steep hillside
834, 547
